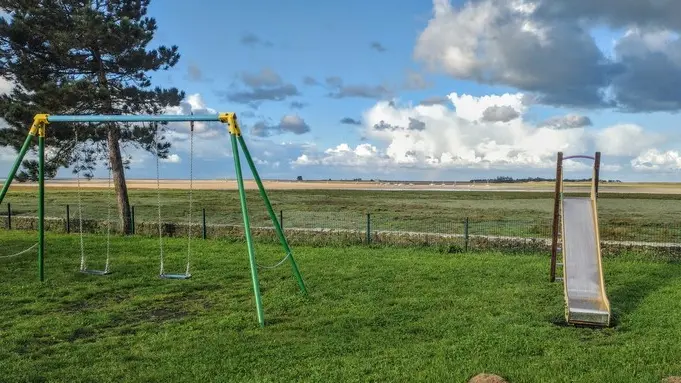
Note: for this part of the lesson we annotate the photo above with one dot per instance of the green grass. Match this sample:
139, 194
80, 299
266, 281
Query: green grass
634, 217
373, 314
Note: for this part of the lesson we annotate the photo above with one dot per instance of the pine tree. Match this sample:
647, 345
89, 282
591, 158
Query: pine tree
84, 57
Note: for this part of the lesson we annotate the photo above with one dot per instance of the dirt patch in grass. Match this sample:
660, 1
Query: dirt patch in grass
93, 300
169, 308
80, 306
672, 379
35, 345
81, 333
142, 316
165, 314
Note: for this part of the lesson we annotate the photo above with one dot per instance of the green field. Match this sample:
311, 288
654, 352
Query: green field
398, 315
633, 217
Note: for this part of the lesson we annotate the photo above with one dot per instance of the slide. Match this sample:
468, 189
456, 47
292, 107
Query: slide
587, 303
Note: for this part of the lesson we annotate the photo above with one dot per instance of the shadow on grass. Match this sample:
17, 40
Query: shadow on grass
635, 285
631, 288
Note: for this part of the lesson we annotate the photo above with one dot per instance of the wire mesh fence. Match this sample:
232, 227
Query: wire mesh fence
351, 227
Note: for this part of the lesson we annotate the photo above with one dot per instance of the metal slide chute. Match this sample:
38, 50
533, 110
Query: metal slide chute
576, 238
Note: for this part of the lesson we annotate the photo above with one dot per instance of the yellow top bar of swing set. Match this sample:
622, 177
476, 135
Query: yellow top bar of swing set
40, 121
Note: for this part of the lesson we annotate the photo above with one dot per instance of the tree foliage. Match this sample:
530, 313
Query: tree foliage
82, 57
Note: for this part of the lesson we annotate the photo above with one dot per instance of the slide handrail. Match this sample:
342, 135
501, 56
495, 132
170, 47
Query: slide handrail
579, 156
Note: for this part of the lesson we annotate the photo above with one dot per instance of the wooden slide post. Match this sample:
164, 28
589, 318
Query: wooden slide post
597, 170
556, 216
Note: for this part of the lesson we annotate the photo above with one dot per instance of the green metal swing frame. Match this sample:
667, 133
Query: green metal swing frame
39, 128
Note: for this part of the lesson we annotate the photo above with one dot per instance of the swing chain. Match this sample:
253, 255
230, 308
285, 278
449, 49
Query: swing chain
20, 253
80, 202
191, 189
108, 219
158, 198
288, 255
78, 164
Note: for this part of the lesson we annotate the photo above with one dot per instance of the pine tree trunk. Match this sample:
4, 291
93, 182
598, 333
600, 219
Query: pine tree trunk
118, 173
115, 159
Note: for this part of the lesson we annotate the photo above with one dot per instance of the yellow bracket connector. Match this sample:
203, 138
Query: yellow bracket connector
232, 124
39, 124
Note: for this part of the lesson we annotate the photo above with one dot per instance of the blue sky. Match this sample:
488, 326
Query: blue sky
514, 82
320, 40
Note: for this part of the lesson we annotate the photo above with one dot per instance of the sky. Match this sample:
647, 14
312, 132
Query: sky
423, 90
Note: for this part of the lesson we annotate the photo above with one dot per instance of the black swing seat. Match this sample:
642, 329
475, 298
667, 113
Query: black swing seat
175, 276
95, 272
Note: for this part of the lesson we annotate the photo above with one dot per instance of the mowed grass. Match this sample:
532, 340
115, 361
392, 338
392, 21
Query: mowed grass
372, 314
634, 217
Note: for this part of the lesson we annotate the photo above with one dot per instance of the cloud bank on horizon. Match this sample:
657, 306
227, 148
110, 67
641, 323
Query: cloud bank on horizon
487, 86
547, 52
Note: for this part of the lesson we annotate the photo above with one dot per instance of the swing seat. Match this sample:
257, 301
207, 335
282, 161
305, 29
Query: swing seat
175, 276
95, 272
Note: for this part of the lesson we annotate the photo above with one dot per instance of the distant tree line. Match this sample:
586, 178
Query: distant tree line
498, 180
502, 179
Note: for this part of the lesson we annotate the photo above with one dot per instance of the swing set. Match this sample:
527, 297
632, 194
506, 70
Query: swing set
39, 129
106, 270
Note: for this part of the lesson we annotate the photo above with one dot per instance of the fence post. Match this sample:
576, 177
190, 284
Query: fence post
203, 212
369, 228
9, 216
68, 219
132, 219
281, 219
465, 234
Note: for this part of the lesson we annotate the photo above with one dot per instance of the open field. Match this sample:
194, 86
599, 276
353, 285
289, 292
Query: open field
624, 187
396, 315
623, 216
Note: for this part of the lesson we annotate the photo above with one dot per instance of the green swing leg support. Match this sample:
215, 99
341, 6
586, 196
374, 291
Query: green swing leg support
35, 129
273, 216
41, 204
15, 167
247, 231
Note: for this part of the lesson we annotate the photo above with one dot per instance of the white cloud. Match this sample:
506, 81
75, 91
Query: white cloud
611, 168
502, 42
473, 108
172, 159
6, 86
7, 154
463, 138
194, 103
362, 156
274, 154
625, 140
549, 48
569, 121
210, 138
655, 160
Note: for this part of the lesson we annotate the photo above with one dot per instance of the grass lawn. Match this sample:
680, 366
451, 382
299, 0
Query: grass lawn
373, 314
